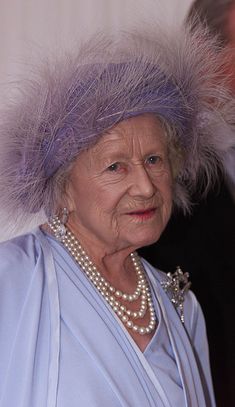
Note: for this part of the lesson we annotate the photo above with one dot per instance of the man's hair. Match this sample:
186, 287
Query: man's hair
213, 13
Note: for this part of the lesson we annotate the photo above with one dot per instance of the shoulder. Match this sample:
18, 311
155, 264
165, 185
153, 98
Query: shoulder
21, 244
19, 259
21, 276
19, 251
23, 296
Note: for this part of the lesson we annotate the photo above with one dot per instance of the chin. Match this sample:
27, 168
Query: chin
145, 240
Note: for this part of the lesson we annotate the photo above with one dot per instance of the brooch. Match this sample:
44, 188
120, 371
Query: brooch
176, 285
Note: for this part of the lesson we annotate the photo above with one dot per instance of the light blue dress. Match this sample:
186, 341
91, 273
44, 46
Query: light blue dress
62, 346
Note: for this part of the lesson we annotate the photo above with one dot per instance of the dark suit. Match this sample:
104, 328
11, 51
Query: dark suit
204, 245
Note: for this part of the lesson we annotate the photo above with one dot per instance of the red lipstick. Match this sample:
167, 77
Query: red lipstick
143, 214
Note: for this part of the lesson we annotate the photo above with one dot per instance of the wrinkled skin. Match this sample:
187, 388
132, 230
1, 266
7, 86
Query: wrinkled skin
127, 171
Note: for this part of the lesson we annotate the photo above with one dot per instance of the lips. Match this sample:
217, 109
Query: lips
143, 213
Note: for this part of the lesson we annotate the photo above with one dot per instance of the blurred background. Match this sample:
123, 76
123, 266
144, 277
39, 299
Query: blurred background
29, 26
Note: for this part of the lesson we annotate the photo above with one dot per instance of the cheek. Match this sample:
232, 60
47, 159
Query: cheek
164, 183
99, 203
165, 188
168, 190
168, 193
168, 204
110, 195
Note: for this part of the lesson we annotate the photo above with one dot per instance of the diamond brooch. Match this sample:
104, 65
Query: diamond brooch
176, 285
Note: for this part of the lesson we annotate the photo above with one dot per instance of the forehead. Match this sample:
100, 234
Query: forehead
144, 131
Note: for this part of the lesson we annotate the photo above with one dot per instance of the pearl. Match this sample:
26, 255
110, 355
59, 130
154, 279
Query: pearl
142, 330
148, 330
129, 324
101, 287
133, 297
107, 291
135, 328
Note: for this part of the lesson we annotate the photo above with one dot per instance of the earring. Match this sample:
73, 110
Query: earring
57, 224
64, 216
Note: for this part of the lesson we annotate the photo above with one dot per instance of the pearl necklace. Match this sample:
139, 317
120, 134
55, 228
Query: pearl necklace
111, 294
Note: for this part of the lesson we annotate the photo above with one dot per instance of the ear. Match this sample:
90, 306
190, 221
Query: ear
67, 200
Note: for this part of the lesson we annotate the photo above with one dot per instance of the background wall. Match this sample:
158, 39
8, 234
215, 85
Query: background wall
30, 25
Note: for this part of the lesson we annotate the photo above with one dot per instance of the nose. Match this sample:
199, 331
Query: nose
141, 184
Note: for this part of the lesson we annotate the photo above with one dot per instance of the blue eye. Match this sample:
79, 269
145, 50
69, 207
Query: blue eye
113, 167
153, 159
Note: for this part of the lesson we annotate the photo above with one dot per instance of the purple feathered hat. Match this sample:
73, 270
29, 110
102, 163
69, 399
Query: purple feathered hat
71, 102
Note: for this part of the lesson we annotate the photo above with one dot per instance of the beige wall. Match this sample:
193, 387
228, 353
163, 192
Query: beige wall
28, 26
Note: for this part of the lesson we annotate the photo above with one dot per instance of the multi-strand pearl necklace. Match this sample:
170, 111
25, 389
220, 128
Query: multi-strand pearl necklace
111, 294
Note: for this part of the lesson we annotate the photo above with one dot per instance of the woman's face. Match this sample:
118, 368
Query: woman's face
120, 190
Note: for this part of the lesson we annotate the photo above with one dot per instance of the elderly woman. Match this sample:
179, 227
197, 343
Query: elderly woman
106, 144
